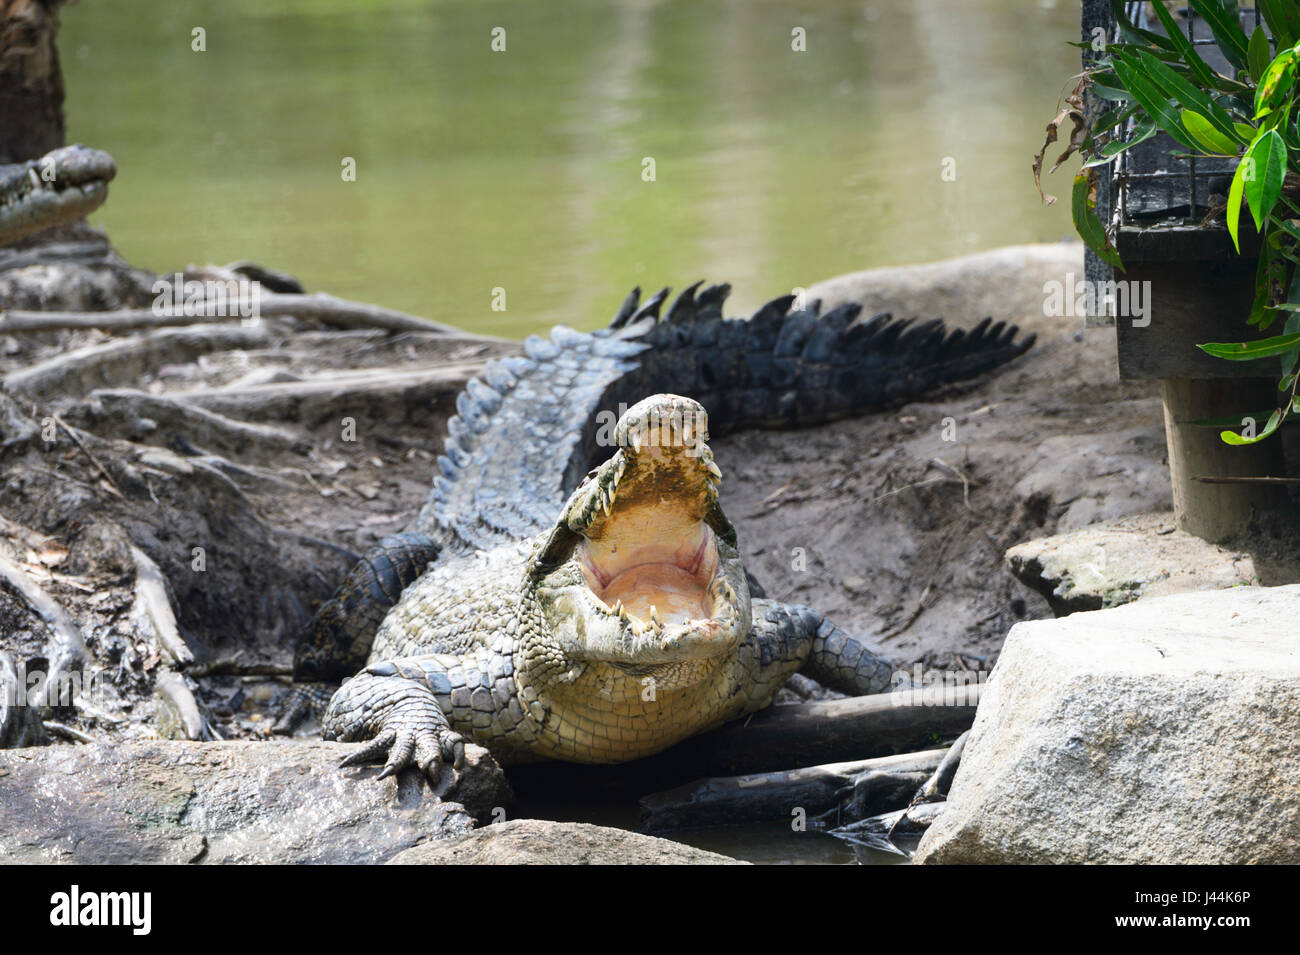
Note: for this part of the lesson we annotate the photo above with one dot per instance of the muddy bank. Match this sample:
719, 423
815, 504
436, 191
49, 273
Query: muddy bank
252, 464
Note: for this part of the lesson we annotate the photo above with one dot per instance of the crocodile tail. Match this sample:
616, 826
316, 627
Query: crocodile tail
787, 367
529, 428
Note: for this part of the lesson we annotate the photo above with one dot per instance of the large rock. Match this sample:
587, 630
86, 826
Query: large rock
271, 802
541, 842
1117, 562
1163, 731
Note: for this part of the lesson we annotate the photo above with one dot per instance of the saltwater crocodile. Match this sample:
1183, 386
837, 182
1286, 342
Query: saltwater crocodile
61, 187
627, 622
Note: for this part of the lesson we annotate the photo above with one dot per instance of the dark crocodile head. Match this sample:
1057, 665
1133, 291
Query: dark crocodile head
642, 566
62, 186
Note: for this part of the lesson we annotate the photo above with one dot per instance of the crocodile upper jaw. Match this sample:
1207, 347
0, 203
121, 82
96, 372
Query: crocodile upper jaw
63, 186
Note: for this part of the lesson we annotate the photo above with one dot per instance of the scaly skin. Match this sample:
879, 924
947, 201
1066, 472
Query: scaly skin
525, 648
519, 637
532, 426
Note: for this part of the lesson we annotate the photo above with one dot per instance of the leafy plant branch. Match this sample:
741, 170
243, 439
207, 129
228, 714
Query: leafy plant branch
1154, 82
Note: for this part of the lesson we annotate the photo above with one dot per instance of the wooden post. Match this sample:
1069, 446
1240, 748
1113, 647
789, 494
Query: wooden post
1201, 291
1218, 511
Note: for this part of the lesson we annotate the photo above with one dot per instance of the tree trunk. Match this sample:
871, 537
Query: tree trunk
31, 83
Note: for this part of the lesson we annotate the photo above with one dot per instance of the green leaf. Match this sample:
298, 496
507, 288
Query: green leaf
1257, 53
1174, 85
1135, 33
1283, 19
1111, 94
1233, 438
1277, 83
1246, 131
1153, 100
1233, 209
1083, 206
1206, 136
1250, 351
1269, 274
1143, 130
1120, 114
1200, 69
1229, 420
1221, 17
1268, 152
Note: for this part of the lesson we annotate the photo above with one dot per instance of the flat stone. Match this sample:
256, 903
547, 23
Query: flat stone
542, 842
246, 802
1116, 562
1163, 731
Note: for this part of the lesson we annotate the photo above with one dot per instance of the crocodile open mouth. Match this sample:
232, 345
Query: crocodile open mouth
642, 568
652, 527
661, 568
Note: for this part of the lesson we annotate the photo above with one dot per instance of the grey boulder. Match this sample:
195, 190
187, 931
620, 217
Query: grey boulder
1162, 731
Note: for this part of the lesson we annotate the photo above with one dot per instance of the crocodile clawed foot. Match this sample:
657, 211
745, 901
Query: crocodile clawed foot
402, 720
404, 746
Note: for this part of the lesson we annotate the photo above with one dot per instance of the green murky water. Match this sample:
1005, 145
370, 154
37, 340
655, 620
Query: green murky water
522, 170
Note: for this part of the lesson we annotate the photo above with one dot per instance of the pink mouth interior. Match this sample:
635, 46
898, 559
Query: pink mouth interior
669, 569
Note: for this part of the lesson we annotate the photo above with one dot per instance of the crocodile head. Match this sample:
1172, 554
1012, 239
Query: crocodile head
641, 568
62, 186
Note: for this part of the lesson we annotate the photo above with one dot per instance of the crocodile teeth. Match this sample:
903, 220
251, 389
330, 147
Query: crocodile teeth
713, 469
36, 180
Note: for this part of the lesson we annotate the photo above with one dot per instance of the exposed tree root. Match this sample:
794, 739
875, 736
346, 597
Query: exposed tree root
391, 396
128, 359
153, 604
139, 416
326, 309
877, 784
67, 652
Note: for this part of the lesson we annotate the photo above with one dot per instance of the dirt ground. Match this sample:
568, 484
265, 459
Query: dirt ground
308, 445
902, 532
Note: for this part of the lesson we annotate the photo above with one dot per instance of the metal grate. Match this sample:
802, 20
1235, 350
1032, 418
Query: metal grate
1152, 185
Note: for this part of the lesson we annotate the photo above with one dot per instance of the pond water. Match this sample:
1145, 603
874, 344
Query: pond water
522, 170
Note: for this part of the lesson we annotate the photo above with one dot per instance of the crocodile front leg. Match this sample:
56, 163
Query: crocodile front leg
416, 708
789, 638
337, 641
